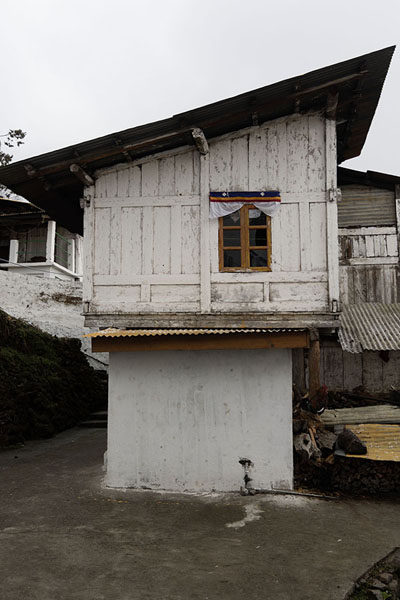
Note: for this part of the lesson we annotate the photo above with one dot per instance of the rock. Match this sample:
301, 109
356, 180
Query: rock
377, 585
394, 587
350, 443
375, 595
385, 577
326, 439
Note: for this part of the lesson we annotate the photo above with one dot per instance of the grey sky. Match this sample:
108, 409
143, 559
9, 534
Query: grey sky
78, 69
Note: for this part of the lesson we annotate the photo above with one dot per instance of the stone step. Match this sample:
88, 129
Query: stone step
100, 416
94, 423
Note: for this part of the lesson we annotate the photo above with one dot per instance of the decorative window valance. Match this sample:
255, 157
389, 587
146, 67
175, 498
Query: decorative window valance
225, 203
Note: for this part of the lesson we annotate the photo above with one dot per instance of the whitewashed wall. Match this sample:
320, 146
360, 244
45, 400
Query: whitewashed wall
52, 305
156, 250
181, 420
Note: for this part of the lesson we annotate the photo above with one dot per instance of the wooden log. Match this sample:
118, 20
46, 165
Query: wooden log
314, 373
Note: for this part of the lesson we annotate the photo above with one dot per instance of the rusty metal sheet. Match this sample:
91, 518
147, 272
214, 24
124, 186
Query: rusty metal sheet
369, 326
383, 413
115, 333
382, 441
364, 206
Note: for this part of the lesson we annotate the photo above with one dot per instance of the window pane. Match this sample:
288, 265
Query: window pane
258, 237
258, 258
256, 217
233, 219
232, 258
232, 237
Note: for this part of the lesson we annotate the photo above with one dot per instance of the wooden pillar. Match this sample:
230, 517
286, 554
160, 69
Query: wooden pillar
313, 369
71, 255
51, 241
13, 253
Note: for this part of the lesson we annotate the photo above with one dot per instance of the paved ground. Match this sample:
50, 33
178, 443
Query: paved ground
64, 537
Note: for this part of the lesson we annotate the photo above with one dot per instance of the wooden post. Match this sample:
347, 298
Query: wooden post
51, 241
13, 253
71, 255
397, 200
313, 370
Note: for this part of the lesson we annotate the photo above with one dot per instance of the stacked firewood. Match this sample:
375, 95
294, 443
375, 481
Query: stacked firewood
364, 477
316, 465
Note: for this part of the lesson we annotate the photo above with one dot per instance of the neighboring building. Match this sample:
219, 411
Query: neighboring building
32, 243
369, 351
211, 252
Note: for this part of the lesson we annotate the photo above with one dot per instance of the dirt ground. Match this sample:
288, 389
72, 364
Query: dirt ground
64, 536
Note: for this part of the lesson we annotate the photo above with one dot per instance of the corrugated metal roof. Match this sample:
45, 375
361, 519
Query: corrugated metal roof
363, 206
386, 181
382, 441
370, 326
113, 333
382, 413
47, 181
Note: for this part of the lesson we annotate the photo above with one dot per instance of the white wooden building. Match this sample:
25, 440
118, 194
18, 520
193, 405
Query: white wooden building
33, 244
200, 315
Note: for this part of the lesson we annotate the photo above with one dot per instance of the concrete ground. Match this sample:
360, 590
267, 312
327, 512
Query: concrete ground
63, 536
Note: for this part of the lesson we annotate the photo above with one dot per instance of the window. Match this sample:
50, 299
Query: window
245, 240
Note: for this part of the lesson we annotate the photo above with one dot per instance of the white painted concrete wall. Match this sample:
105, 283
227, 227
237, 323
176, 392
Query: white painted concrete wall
54, 306
181, 420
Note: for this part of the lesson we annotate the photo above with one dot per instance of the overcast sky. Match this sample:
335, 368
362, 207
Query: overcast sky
73, 70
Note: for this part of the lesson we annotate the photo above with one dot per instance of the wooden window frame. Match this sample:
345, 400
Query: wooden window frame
244, 242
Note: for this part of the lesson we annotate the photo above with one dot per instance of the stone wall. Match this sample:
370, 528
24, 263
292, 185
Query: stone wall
54, 306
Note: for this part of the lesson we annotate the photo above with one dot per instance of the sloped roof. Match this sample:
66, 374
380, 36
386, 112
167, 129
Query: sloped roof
47, 181
370, 326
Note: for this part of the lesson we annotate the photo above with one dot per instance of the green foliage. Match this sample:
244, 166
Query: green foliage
46, 384
14, 138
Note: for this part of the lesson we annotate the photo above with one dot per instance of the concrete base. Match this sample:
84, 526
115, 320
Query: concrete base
181, 420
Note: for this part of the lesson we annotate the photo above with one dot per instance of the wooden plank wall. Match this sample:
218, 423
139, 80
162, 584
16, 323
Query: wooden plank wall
344, 371
369, 265
147, 249
287, 155
151, 218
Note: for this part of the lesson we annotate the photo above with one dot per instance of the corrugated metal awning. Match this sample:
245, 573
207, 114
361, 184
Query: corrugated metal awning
370, 326
115, 333
365, 206
382, 441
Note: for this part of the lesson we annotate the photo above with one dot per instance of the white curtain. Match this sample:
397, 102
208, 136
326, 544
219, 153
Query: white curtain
221, 209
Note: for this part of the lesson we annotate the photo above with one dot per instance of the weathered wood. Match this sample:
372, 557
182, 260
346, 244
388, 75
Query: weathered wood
290, 237
88, 248
372, 371
200, 342
352, 371
131, 242
333, 367
317, 234
314, 371
331, 213
162, 240
205, 265
166, 232
81, 174
102, 241
244, 318
200, 140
